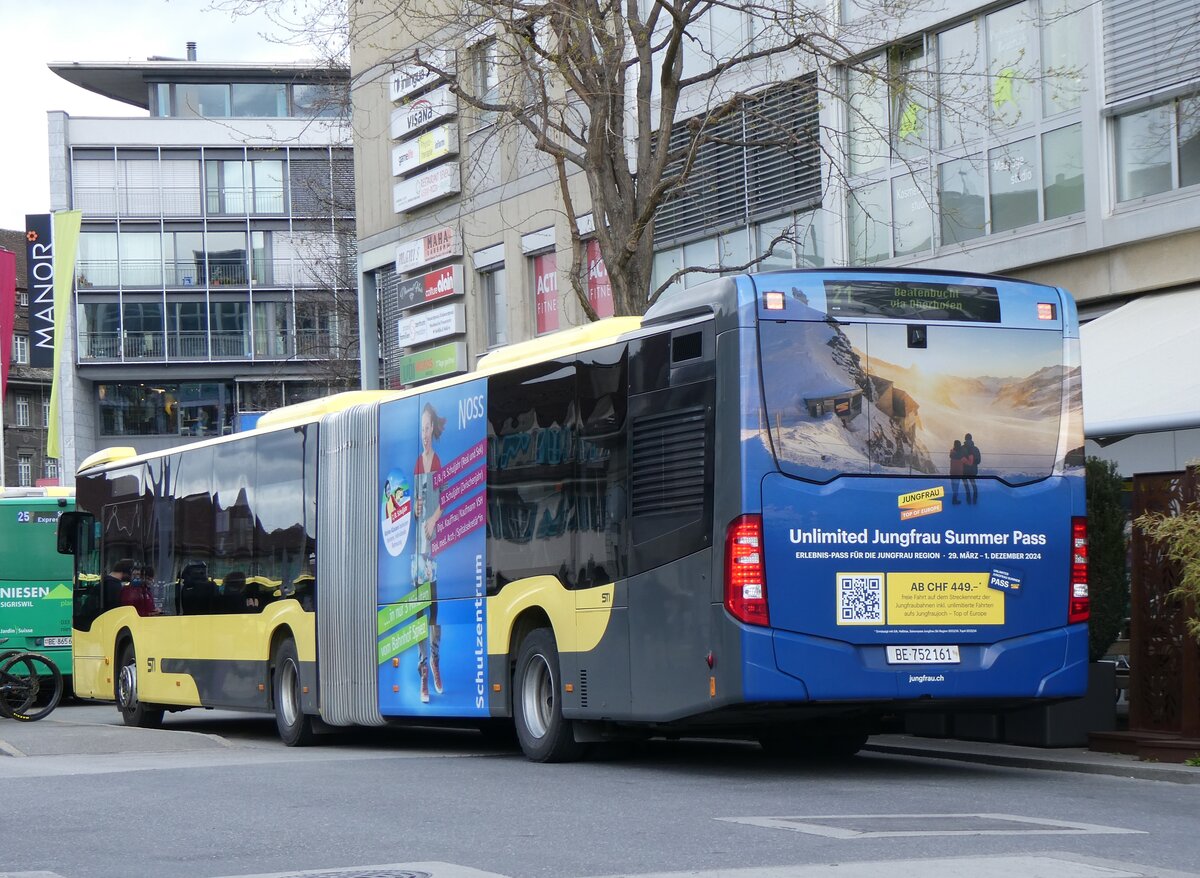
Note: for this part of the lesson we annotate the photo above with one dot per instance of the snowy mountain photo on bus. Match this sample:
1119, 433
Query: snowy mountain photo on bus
859, 398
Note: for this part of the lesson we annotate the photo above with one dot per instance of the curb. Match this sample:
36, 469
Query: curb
1085, 765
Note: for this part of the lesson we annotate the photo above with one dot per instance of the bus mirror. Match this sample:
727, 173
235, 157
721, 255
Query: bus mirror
68, 530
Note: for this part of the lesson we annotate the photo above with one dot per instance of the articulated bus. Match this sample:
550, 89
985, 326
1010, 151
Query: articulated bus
779, 506
35, 581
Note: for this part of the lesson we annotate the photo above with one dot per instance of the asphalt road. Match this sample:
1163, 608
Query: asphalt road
217, 795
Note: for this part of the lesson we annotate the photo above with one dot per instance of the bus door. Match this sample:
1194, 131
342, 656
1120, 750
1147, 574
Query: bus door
918, 529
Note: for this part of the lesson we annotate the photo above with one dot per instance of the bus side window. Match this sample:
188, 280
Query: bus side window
86, 603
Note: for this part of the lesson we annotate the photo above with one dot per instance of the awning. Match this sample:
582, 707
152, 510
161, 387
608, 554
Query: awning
1141, 367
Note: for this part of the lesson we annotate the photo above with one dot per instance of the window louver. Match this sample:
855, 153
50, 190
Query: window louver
667, 462
1149, 45
763, 159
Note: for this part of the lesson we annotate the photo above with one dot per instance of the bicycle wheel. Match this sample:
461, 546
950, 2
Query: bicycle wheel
32, 686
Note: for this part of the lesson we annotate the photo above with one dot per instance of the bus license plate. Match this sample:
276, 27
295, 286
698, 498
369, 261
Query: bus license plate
922, 655
56, 641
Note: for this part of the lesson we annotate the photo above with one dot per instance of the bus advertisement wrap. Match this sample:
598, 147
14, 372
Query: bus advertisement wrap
431, 633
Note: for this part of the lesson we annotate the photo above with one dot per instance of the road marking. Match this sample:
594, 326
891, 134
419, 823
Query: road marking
389, 870
847, 826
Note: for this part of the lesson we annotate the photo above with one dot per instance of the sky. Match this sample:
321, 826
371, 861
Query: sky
37, 33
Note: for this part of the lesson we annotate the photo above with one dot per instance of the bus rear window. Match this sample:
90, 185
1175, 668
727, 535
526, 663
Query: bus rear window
856, 398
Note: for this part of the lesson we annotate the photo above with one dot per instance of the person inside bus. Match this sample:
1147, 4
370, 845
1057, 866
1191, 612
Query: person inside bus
236, 596
971, 458
136, 593
424, 569
114, 581
196, 590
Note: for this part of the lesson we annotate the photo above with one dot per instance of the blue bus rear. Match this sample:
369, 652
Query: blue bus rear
877, 559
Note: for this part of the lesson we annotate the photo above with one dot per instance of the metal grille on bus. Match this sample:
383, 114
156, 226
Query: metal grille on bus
668, 461
347, 566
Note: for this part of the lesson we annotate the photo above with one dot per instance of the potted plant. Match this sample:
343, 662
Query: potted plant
1180, 536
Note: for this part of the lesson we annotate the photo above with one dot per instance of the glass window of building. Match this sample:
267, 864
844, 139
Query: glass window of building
775, 239
272, 329
910, 101
867, 123
51, 468
183, 254
141, 259
1144, 153
139, 187
266, 178
160, 409
734, 251
666, 263
181, 190
21, 410
142, 325
20, 348
1062, 171
99, 330
96, 265
700, 254
1013, 180
485, 64
322, 101
201, 101
962, 90
1012, 50
94, 185
492, 285
1189, 141
25, 469
226, 258
45, 411
267, 99
912, 215
1063, 65
962, 200
229, 324
187, 330
869, 224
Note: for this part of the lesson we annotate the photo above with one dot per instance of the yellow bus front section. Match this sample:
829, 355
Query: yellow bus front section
195, 660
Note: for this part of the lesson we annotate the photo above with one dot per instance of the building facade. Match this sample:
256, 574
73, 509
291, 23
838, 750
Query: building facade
1053, 140
214, 279
27, 396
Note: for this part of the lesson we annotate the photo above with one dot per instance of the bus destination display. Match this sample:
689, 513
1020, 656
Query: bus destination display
907, 300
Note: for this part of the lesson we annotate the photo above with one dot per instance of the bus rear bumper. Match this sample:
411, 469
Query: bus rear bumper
787, 666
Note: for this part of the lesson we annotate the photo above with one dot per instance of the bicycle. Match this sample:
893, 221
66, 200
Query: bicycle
30, 685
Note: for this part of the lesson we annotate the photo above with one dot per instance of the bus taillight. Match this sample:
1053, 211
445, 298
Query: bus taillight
745, 571
1081, 604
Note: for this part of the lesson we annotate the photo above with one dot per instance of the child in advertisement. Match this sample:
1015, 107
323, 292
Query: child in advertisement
424, 566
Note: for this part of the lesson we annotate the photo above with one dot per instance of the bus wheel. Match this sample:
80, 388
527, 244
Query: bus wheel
544, 734
134, 711
295, 727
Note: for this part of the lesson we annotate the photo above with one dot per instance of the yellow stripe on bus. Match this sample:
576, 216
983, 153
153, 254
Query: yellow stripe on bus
579, 617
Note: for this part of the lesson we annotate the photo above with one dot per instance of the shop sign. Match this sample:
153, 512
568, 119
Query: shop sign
430, 325
39, 269
433, 247
599, 287
447, 359
430, 146
426, 187
430, 287
412, 77
545, 279
423, 112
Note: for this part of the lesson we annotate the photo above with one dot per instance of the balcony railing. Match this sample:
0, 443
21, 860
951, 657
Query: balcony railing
294, 272
233, 344
138, 201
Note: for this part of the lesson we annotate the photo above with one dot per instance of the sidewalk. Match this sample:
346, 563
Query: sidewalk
1077, 759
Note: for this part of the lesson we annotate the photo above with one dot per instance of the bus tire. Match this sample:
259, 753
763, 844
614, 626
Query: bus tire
295, 726
545, 735
134, 711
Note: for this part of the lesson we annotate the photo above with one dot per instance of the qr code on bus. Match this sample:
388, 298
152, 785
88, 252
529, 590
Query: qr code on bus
860, 598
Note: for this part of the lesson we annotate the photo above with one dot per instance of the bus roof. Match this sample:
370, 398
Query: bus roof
25, 493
